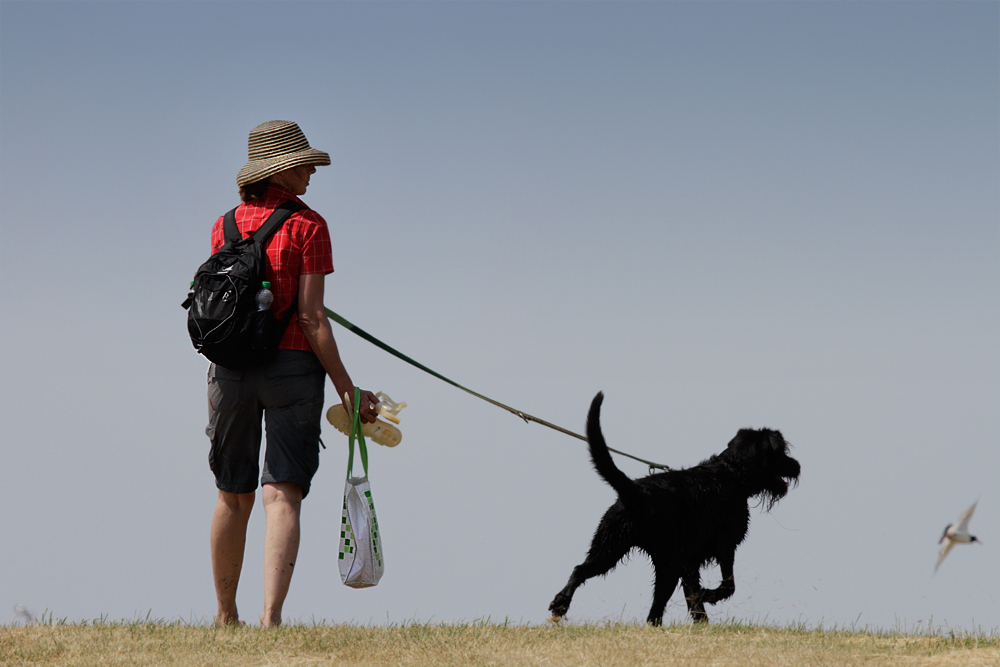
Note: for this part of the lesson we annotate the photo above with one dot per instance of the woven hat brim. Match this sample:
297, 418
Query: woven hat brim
256, 170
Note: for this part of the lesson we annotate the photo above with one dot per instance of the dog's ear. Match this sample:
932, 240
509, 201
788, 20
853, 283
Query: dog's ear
777, 441
737, 439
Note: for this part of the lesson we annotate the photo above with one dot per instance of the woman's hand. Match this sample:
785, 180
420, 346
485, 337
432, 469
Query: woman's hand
368, 403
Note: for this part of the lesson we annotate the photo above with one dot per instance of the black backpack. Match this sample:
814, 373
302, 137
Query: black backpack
223, 319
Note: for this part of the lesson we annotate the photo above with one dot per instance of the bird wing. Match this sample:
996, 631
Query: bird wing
963, 523
944, 552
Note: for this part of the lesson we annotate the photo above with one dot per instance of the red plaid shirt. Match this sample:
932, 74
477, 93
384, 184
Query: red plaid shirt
301, 246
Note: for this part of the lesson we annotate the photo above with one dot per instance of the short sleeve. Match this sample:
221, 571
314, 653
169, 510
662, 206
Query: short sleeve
218, 236
317, 249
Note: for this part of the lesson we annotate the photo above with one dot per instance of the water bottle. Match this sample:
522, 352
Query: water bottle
265, 296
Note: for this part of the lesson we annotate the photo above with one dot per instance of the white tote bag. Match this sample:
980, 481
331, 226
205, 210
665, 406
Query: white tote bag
360, 558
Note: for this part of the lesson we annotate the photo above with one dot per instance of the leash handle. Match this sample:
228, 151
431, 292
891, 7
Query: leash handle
356, 433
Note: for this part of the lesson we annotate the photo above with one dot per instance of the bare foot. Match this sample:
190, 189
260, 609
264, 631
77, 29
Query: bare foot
225, 618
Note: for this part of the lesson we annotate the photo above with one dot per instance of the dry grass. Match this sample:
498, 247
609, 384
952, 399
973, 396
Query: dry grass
157, 643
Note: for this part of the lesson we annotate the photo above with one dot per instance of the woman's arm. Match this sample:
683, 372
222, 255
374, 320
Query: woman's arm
316, 326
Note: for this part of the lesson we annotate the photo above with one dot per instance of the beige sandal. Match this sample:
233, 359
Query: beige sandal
380, 432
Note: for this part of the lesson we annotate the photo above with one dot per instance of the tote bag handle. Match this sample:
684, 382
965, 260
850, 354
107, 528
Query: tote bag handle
356, 433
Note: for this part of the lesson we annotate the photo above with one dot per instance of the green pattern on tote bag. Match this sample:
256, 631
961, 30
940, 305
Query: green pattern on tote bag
346, 534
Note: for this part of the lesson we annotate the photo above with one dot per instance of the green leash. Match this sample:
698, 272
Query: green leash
526, 417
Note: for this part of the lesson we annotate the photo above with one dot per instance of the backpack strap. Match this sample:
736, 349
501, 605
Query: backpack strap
263, 233
277, 218
231, 233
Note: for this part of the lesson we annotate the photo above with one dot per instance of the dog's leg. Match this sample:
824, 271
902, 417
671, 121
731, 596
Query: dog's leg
612, 542
666, 577
727, 587
694, 595
597, 564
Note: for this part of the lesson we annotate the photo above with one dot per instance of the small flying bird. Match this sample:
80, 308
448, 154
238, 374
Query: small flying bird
957, 534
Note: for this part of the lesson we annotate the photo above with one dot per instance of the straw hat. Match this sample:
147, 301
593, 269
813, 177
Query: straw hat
275, 146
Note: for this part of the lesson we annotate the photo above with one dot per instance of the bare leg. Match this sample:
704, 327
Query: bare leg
228, 539
282, 505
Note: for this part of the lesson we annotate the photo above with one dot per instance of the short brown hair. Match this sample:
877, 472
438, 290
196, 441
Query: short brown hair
256, 190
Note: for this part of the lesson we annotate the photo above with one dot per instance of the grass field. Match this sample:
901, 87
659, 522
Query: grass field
157, 643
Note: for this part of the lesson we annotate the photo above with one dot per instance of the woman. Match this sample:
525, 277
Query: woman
287, 392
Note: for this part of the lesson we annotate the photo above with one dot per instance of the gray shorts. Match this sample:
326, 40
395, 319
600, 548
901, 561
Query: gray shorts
287, 393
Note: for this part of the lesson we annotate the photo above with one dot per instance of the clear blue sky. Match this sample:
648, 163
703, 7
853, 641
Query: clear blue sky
720, 214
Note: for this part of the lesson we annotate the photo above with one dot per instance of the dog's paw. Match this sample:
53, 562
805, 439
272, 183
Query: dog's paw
560, 605
724, 591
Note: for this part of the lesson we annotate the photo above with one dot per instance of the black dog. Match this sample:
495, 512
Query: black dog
683, 519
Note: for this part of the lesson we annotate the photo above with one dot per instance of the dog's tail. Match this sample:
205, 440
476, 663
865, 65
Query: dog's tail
601, 457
